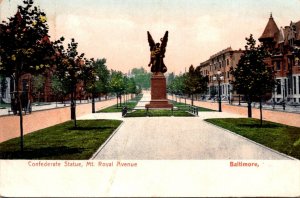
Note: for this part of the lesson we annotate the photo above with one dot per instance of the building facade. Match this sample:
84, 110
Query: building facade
283, 45
221, 61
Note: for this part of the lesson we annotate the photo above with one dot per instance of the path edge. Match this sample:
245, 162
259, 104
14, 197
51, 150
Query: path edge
108, 139
258, 144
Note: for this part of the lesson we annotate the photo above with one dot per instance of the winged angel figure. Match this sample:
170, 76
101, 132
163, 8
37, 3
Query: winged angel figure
157, 54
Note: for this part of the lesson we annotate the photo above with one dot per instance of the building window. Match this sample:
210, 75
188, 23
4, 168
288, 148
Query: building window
278, 88
227, 61
277, 65
294, 80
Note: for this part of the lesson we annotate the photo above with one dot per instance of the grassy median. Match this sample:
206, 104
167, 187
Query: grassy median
180, 111
158, 113
185, 107
130, 105
62, 141
283, 138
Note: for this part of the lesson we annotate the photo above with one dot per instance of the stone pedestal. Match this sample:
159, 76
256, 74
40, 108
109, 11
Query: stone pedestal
158, 92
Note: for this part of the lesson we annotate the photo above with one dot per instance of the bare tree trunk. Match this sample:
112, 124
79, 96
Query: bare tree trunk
192, 99
117, 100
260, 109
249, 108
73, 108
17, 77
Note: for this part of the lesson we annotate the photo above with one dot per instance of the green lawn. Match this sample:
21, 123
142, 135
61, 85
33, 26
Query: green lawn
180, 111
61, 141
130, 105
158, 112
283, 138
185, 107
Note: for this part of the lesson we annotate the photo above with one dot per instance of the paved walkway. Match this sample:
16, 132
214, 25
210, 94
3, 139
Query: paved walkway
144, 100
168, 138
287, 118
50, 105
10, 125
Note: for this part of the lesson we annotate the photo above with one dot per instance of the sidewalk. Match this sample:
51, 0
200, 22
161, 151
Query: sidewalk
51, 105
10, 125
288, 118
180, 138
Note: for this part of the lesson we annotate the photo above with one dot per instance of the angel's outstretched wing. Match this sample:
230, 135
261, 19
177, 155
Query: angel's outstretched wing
164, 40
151, 41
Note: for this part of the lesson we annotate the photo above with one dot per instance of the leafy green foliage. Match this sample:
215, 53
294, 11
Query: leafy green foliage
38, 83
117, 83
24, 42
102, 85
131, 86
59, 89
69, 64
177, 84
195, 83
141, 77
25, 47
117, 108
252, 76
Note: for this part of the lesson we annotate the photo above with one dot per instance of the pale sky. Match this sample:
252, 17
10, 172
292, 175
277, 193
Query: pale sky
117, 29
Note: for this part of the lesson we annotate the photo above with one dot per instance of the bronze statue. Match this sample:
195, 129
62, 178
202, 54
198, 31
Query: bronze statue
157, 54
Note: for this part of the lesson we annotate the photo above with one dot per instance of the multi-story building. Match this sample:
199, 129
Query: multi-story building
221, 61
283, 44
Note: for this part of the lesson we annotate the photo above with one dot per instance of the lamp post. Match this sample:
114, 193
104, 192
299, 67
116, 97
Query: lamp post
219, 78
93, 97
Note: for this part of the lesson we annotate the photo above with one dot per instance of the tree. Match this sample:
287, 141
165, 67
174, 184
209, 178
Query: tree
58, 88
91, 80
117, 84
141, 77
38, 83
24, 47
104, 75
170, 79
194, 82
177, 85
131, 86
69, 69
252, 77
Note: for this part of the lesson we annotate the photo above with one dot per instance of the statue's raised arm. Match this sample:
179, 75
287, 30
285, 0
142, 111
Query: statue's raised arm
151, 41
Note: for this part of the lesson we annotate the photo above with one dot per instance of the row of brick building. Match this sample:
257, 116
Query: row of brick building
283, 45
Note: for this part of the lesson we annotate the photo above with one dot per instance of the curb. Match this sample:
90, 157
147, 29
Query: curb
256, 143
104, 144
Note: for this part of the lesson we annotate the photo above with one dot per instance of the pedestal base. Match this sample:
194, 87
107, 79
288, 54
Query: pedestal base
158, 92
159, 104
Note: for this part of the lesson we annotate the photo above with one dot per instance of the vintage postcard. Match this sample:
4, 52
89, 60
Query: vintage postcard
149, 98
